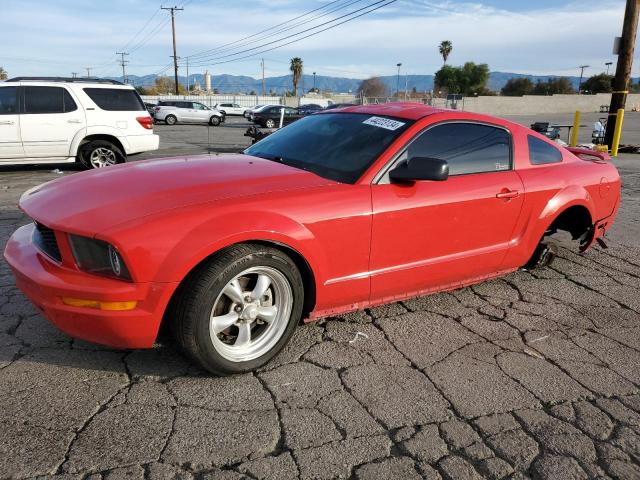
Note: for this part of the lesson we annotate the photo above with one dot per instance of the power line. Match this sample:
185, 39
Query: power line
295, 34
128, 44
289, 27
258, 52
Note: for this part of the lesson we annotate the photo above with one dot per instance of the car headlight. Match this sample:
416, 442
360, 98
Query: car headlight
99, 257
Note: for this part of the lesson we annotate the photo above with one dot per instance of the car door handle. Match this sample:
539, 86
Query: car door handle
505, 193
7, 122
74, 120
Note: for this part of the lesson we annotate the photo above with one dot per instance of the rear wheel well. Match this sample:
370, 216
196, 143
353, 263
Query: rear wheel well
576, 220
107, 138
308, 278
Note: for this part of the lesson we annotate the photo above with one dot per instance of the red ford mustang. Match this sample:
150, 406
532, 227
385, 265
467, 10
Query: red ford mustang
339, 211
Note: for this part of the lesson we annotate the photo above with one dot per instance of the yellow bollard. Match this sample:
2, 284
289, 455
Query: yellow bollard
617, 133
575, 130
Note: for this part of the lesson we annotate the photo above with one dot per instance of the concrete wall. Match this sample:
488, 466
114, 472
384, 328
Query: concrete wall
536, 104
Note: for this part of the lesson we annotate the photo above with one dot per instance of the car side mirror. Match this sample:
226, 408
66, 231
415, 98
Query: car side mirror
420, 168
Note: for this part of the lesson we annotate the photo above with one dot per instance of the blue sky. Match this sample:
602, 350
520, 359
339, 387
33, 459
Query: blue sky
44, 37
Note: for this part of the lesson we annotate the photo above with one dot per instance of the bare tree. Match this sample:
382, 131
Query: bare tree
445, 49
296, 70
372, 87
3, 74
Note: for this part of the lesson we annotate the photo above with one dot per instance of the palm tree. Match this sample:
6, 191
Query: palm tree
296, 70
3, 74
445, 49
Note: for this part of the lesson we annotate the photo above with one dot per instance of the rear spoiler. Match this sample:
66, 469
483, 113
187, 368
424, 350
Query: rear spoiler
588, 154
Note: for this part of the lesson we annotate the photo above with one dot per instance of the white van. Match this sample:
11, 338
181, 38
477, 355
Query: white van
94, 122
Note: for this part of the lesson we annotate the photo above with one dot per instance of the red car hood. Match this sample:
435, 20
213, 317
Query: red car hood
92, 201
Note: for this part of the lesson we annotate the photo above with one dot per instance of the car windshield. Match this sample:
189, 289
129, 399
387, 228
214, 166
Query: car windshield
338, 146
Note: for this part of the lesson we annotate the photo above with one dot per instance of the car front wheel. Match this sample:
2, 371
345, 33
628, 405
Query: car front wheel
238, 310
214, 121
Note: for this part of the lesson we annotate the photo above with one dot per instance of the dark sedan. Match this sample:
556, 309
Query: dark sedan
310, 108
270, 117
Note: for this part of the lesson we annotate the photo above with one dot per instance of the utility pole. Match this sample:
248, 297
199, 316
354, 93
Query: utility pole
88, 71
173, 30
623, 68
188, 76
123, 62
314, 82
608, 64
581, 67
264, 89
74, 74
398, 80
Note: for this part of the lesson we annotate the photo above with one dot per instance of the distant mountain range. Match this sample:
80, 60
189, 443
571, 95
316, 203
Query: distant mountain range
243, 84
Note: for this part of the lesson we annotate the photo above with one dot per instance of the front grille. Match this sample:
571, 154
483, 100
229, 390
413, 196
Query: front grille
45, 240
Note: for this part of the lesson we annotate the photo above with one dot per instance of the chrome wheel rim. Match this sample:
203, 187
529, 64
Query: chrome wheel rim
251, 314
170, 120
271, 123
102, 157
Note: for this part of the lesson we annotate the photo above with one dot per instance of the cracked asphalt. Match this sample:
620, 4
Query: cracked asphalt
535, 375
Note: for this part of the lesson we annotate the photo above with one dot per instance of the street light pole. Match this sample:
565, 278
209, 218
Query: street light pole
608, 64
314, 82
398, 81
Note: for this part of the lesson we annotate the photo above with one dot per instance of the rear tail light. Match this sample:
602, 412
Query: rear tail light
146, 122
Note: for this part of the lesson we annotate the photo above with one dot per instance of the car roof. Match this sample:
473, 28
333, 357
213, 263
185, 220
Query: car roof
406, 110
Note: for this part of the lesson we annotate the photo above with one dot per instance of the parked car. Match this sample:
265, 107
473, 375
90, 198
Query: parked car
178, 111
96, 123
270, 117
339, 211
230, 109
310, 108
247, 113
340, 105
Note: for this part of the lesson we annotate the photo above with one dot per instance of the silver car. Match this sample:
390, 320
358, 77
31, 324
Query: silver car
182, 111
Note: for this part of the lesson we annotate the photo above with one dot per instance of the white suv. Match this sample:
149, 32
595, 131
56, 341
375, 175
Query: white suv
181, 111
54, 120
230, 108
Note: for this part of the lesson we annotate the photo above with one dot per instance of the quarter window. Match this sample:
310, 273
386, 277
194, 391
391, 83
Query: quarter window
467, 147
8, 100
541, 152
116, 99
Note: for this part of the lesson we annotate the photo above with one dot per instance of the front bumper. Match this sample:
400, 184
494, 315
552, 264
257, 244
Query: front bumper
45, 282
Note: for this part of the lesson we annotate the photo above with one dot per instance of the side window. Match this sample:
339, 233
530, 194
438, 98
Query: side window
467, 147
8, 100
199, 106
43, 100
69, 103
291, 111
541, 153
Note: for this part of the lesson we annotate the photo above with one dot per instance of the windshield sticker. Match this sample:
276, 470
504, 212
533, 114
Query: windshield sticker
385, 123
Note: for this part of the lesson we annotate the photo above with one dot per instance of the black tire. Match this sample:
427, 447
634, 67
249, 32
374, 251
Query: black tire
270, 123
170, 120
87, 150
191, 309
214, 121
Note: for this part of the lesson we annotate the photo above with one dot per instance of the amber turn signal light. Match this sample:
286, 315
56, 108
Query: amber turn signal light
99, 305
